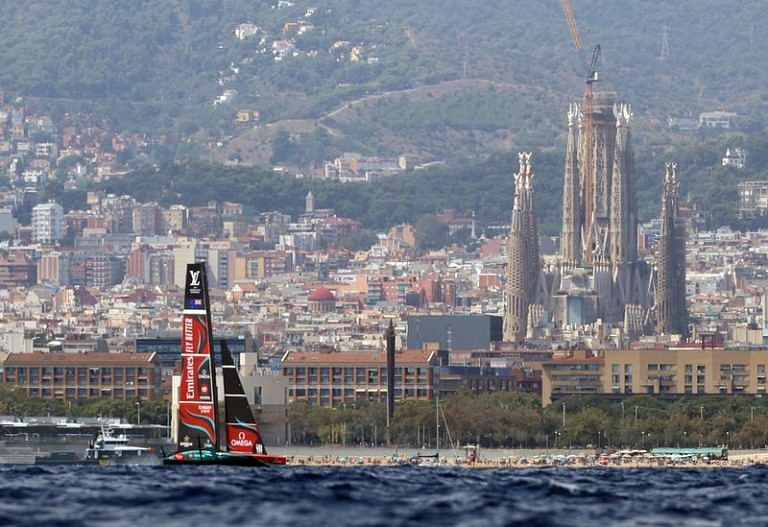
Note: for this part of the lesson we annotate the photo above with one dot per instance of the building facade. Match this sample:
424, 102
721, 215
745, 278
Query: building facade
46, 223
73, 376
663, 372
333, 379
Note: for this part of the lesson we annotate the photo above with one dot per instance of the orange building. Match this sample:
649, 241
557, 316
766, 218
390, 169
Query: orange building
336, 378
71, 376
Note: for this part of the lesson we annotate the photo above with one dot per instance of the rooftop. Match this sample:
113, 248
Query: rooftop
89, 359
374, 358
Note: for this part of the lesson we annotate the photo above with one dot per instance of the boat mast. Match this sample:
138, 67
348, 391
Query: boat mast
437, 422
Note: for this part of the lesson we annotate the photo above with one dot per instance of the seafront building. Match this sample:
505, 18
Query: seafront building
667, 372
332, 379
73, 376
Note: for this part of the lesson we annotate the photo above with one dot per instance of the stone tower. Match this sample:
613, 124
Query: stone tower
522, 254
599, 231
671, 309
570, 236
309, 202
623, 220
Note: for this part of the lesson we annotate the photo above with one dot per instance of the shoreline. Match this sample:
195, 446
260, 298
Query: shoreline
339, 456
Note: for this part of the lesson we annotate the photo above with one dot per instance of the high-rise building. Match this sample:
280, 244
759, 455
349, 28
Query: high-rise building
671, 310
46, 223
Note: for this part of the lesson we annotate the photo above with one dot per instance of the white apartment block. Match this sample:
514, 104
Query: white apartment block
46, 223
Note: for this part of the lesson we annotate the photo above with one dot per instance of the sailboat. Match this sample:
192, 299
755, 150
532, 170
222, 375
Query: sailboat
200, 438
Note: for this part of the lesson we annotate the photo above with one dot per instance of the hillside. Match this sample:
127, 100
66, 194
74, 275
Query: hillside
485, 187
158, 65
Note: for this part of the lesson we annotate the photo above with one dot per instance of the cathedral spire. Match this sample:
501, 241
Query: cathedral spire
623, 218
570, 235
671, 309
522, 254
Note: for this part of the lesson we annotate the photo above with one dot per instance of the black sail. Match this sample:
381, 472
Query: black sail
242, 431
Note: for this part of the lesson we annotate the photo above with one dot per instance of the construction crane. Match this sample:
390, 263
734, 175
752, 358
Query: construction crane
587, 147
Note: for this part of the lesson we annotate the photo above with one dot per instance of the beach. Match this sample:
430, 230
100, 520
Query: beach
509, 458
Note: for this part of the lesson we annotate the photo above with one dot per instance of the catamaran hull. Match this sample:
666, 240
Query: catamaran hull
224, 459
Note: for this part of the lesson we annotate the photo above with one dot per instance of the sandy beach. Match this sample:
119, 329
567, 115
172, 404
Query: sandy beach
503, 458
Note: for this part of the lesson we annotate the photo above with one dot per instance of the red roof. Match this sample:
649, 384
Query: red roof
78, 359
321, 294
361, 358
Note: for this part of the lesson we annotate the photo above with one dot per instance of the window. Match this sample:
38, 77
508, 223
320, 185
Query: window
689, 368
653, 367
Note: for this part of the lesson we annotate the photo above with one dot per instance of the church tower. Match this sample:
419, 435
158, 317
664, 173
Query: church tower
570, 236
671, 309
522, 254
309, 202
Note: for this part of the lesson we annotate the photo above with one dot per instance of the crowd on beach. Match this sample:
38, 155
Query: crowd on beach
558, 460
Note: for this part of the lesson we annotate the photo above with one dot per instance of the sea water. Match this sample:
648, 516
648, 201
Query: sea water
371, 496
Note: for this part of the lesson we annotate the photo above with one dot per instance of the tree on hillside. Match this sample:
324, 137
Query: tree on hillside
430, 233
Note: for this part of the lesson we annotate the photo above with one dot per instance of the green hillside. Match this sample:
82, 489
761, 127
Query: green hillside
156, 64
469, 82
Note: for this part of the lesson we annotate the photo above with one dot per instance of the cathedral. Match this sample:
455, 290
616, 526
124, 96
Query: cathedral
597, 275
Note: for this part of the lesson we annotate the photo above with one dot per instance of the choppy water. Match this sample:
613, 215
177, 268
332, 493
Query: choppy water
362, 496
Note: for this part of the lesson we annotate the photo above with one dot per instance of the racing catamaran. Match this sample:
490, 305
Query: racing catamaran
199, 433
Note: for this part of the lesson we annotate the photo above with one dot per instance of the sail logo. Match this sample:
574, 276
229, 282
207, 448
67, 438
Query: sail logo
241, 441
194, 277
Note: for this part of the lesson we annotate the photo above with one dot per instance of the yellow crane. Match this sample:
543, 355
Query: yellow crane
587, 150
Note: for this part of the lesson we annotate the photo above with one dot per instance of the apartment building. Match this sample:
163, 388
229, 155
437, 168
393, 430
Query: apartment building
71, 376
670, 372
330, 379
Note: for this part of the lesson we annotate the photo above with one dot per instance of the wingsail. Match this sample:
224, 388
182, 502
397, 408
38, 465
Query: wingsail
242, 431
198, 413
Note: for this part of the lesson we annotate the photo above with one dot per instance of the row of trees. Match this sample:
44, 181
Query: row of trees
15, 403
518, 421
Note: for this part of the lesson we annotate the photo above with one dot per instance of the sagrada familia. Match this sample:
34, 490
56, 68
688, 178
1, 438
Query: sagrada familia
597, 274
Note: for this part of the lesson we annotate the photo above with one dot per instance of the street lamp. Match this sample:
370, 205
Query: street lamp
563, 415
642, 439
728, 440
622, 412
557, 436
138, 410
751, 413
599, 433
701, 413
